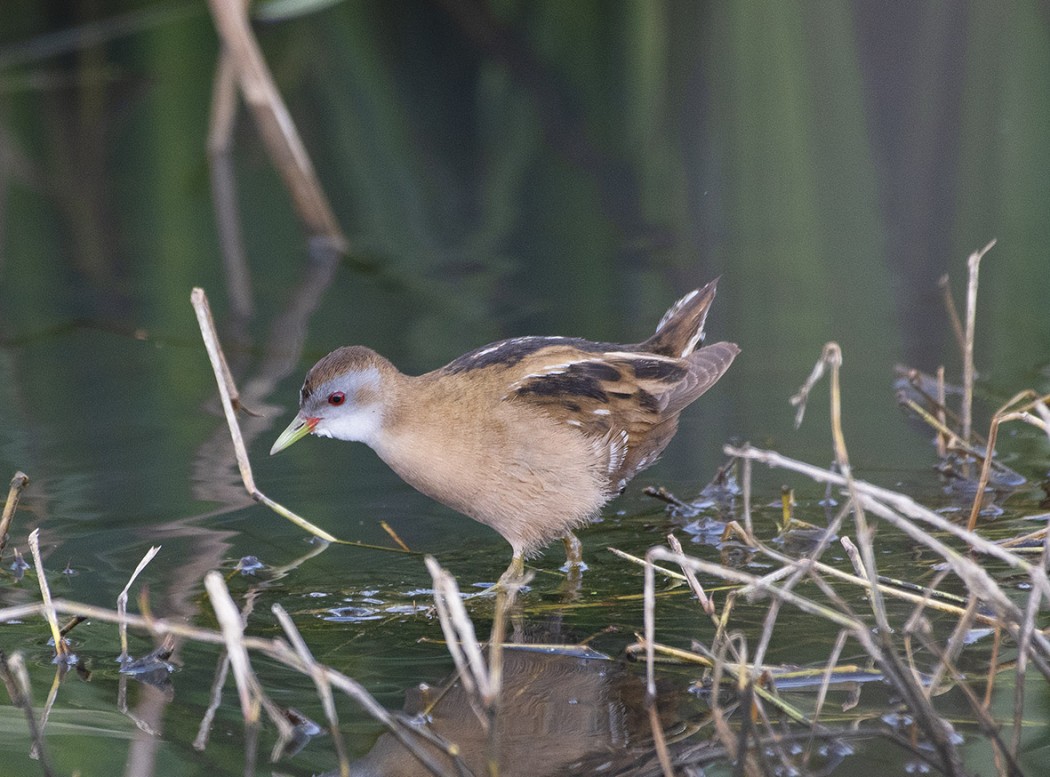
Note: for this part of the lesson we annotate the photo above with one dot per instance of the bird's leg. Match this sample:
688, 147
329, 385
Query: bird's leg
514, 572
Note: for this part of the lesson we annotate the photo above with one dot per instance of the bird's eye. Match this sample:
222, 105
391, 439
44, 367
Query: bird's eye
336, 398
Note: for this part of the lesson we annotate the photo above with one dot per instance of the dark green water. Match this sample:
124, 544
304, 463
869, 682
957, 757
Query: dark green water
830, 161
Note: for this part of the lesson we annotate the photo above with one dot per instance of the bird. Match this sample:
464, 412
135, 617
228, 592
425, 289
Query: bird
530, 436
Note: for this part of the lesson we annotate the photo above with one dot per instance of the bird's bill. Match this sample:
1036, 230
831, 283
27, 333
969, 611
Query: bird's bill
297, 430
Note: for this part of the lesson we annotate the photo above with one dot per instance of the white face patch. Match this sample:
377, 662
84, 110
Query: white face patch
353, 420
356, 424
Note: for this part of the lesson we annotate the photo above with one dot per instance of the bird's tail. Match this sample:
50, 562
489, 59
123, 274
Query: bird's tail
682, 327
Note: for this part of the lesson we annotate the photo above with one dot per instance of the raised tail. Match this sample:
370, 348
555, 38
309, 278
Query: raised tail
682, 327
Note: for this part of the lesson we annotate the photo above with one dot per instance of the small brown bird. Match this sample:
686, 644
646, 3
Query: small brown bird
531, 435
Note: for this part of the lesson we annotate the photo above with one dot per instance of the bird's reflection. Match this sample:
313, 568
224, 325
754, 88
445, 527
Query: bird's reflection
562, 711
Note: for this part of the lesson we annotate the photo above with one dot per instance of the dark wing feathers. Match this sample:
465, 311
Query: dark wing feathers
682, 327
626, 401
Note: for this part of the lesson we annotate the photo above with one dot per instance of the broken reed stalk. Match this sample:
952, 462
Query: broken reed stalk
228, 395
14, 494
274, 122
831, 360
122, 603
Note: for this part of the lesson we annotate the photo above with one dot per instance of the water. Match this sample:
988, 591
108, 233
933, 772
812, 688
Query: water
819, 159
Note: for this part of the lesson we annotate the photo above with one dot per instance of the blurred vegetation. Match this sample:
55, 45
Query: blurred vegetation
504, 167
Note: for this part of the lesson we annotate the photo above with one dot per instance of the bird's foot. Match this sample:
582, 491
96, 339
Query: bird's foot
510, 582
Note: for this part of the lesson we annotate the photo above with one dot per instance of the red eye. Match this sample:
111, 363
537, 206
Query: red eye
336, 398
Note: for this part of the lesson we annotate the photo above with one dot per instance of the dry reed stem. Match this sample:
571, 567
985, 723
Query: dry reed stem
49, 702
14, 494
1028, 629
252, 698
62, 653
200, 742
706, 603
1042, 409
462, 641
790, 567
989, 727
221, 671
956, 641
394, 536
746, 476
483, 683
832, 354
973, 265
953, 442
878, 649
828, 674
274, 122
659, 741
122, 603
232, 628
900, 503
227, 393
